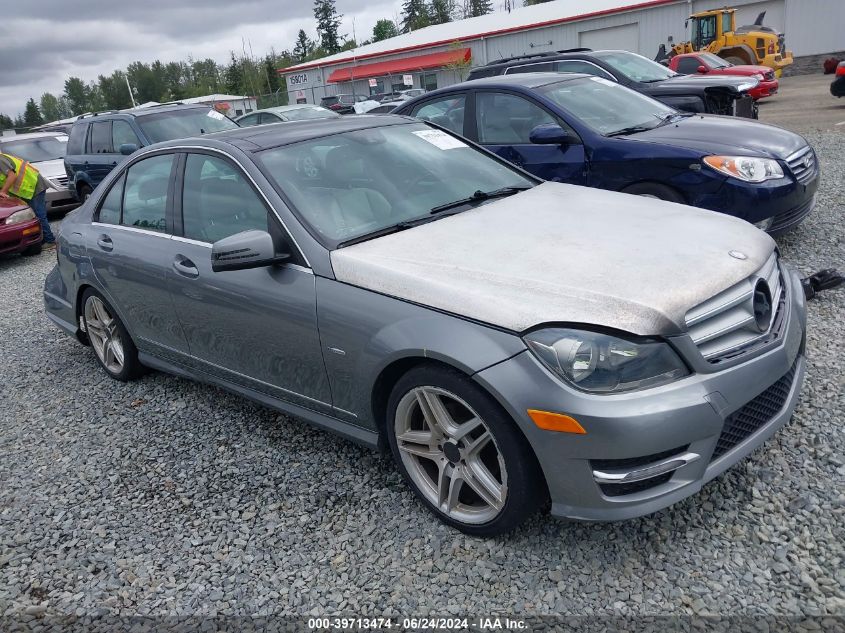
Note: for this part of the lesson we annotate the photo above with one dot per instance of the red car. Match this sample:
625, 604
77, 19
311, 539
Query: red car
20, 231
710, 64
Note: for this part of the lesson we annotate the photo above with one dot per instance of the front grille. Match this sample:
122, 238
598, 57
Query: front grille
744, 107
743, 423
770, 76
803, 165
617, 490
60, 180
793, 216
726, 323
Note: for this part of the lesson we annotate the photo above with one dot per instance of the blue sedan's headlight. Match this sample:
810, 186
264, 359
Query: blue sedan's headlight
600, 363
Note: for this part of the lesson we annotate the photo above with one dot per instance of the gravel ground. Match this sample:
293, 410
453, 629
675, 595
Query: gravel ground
165, 497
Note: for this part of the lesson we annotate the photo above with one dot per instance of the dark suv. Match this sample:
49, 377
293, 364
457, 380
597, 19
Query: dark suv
98, 142
693, 93
342, 104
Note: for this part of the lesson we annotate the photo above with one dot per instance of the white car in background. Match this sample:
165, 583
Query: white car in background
294, 112
46, 152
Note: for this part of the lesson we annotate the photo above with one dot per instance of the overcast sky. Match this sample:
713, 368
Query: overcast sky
42, 42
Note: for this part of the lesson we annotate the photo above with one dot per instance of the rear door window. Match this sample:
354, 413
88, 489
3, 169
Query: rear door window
101, 137
123, 134
446, 112
267, 117
109, 212
145, 195
76, 140
248, 121
579, 66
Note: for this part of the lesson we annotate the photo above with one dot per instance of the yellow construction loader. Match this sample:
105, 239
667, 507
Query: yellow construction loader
716, 32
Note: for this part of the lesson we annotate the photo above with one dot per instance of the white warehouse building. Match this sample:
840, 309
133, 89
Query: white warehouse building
440, 55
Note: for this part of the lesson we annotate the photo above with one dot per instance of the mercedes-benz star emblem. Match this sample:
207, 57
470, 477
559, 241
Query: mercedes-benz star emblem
737, 254
762, 305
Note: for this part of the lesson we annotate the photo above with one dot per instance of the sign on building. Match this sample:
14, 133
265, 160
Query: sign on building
297, 79
408, 80
373, 83
300, 96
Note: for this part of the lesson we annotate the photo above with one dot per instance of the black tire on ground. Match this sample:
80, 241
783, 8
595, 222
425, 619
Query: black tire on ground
132, 367
655, 190
35, 249
84, 192
526, 489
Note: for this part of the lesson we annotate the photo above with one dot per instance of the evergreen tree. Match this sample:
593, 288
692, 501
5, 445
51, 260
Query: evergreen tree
415, 15
441, 11
480, 7
384, 29
303, 47
76, 95
31, 115
328, 23
234, 76
528, 3
5, 122
50, 108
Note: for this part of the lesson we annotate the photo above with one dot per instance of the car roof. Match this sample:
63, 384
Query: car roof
261, 137
283, 108
524, 80
30, 135
139, 112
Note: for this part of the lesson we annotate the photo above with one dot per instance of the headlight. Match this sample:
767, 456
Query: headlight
747, 168
21, 216
748, 85
758, 77
601, 363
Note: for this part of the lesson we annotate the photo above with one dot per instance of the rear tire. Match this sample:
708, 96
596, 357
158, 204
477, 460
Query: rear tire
109, 339
461, 454
655, 190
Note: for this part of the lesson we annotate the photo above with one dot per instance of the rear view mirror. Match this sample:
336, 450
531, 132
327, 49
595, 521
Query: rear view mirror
702, 70
552, 134
248, 249
128, 148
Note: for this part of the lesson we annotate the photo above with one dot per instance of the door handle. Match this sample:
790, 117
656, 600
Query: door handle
185, 267
105, 243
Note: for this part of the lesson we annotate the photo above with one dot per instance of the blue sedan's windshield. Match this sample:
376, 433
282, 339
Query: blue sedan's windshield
606, 106
356, 183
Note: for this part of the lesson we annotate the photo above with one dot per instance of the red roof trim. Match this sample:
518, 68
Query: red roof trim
574, 18
403, 64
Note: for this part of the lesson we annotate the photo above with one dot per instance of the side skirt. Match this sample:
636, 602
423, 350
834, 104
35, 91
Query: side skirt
363, 437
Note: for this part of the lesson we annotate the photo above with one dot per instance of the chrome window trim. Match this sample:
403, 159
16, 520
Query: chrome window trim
133, 229
188, 148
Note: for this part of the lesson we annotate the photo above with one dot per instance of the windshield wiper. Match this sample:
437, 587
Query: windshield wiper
631, 130
480, 196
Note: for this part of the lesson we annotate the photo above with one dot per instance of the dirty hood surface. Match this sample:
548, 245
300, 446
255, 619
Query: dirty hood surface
562, 253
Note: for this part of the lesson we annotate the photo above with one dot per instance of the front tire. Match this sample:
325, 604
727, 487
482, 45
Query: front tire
35, 249
112, 344
461, 454
84, 193
655, 190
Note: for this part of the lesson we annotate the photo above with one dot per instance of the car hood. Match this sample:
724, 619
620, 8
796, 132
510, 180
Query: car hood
686, 83
562, 253
745, 70
735, 136
8, 206
51, 168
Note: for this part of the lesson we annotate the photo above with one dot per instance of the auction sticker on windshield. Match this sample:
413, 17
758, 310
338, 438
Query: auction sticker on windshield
440, 139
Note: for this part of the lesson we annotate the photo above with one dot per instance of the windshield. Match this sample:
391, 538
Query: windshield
606, 106
714, 61
166, 126
315, 112
355, 183
35, 150
635, 67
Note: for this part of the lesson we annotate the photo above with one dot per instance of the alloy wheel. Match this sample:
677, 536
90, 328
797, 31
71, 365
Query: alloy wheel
103, 332
451, 455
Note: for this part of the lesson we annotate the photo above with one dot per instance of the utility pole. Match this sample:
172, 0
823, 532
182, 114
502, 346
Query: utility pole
129, 88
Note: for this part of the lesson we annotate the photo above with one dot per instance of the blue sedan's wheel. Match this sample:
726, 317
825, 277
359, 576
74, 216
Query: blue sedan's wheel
461, 454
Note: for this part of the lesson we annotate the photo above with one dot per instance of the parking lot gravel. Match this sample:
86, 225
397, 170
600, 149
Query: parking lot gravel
164, 497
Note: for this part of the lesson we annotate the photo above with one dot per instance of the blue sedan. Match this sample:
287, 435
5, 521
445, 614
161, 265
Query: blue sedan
590, 131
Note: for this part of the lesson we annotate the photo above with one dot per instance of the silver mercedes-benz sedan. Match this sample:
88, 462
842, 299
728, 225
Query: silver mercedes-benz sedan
509, 341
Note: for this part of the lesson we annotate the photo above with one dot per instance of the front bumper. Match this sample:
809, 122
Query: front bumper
18, 237
764, 89
715, 415
60, 200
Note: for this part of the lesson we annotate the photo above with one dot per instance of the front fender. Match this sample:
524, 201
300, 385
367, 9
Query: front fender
363, 332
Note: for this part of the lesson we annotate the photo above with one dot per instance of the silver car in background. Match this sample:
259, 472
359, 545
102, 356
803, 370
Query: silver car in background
280, 114
46, 152
508, 340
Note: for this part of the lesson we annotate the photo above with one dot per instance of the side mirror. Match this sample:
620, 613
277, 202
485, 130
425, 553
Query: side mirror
128, 148
702, 70
248, 249
551, 134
